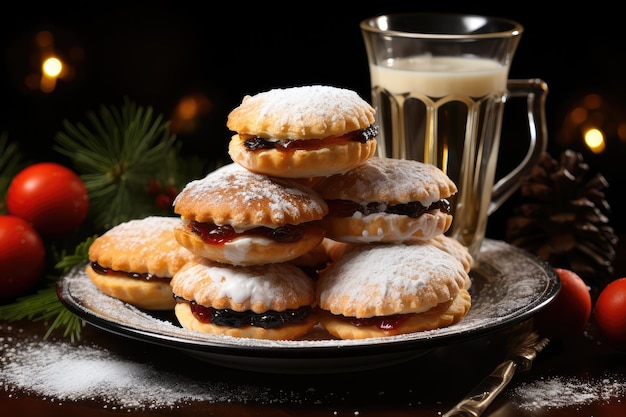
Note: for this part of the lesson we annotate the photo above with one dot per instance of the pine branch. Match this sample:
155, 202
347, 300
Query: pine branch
81, 254
45, 305
117, 154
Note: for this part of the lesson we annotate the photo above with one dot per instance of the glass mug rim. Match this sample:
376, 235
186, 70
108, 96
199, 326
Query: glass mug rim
408, 24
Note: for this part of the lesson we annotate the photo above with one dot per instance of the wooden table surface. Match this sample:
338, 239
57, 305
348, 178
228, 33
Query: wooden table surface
585, 378
575, 377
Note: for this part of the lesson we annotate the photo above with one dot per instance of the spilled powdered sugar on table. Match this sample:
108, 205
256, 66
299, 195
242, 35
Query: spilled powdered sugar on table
567, 391
68, 372
65, 372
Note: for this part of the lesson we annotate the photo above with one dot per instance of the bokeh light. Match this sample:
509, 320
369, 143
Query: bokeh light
594, 139
188, 113
593, 123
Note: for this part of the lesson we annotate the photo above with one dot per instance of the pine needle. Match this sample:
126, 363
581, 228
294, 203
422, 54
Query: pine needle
81, 254
45, 305
117, 154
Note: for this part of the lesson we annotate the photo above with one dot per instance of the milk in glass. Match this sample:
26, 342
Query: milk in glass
446, 111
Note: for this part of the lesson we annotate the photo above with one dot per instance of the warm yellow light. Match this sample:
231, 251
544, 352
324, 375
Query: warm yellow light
52, 67
594, 139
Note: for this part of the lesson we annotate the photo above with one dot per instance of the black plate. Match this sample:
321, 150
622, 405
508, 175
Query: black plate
509, 286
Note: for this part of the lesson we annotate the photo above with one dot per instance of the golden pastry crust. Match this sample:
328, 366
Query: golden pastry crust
143, 246
149, 295
443, 315
286, 332
258, 288
388, 182
302, 163
308, 112
454, 248
250, 250
385, 279
276, 287
386, 228
235, 196
337, 249
315, 257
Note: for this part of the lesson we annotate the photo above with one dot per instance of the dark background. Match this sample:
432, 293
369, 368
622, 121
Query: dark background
157, 53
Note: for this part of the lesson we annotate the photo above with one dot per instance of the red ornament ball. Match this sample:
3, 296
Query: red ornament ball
50, 196
22, 256
610, 313
569, 312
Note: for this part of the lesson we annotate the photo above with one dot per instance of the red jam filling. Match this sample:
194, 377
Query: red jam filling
218, 235
268, 320
143, 276
363, 135
392, 322
414, 209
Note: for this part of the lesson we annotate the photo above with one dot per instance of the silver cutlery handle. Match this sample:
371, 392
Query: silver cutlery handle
475, 403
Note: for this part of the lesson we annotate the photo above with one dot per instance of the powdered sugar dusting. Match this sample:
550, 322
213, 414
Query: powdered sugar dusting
245, 199
76, 372
389, 180
134, 235
508, 286
301, 112
321, 101
141, 245
560, 391
372, 279
519, 271
273, 286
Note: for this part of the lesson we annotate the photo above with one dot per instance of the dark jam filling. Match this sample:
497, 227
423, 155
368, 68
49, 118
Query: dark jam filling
218, 235
268, 320
392, 322
414, 209
362, 136
143, 276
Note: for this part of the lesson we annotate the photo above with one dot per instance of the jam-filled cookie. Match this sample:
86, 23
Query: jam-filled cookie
380, 290
454, 248
135, 261
302, 132
240, 217
387, 200
336, 249
272, 301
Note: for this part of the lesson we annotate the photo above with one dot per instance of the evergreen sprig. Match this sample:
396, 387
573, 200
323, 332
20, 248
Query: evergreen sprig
44, 305
116, 155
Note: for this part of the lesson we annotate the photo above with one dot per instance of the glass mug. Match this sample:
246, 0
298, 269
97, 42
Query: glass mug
439, 85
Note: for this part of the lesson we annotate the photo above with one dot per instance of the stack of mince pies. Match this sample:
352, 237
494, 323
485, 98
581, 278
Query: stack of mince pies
305, 227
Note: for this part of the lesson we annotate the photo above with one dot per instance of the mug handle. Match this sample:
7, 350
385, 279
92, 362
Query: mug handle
536, 91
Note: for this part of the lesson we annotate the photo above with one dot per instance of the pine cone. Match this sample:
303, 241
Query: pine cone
563, 218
